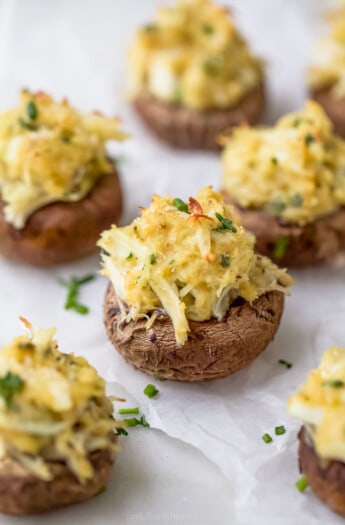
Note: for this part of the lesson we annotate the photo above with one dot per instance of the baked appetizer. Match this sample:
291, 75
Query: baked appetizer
192, 75
189, 300
58, 188
327, 73
288, 185
57, 440
320, 405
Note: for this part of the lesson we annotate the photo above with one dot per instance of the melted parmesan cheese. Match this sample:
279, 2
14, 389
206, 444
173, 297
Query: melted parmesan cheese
50, 152
190, 264
320, 405
57, 407
295, 170
193, 54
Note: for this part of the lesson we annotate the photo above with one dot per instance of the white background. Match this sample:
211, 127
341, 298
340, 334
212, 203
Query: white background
206, 464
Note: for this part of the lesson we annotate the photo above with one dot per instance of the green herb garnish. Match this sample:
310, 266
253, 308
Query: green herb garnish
297, 200
301, 484
211, 66
150, 28
266, 438
285, 363
31, 110
309, 139
101, 490
296, 122
10, 384
225, 261
27, 125
128, 410
153, 258
151, 391
225, 224
73, 286
279, 431
274, 160
134, 422
66, 139
121, 432
280, 247
277, 205
207, 29
130, 256
334, 383
181, 205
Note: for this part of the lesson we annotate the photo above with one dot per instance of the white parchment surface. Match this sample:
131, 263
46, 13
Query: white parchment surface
76, 48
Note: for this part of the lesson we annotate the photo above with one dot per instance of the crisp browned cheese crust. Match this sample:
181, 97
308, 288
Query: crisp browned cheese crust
307, 244
334, 107
188, 128
214, 348
22, 493
63, 231
326, 478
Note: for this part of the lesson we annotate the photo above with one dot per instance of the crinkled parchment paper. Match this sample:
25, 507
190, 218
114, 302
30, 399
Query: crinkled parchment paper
76, 49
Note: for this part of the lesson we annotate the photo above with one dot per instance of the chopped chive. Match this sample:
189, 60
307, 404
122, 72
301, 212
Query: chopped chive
207, 29
79, 308
134, 422
296, 122
309, 139
130, 256
211, 66
225, 224
301, 484
297, 200
280, 247
149, 28
285, 363
266, 438
225, 261
66, 139
334, 383
10, 384
31, 110
73, 286
128, 410
277, 205
279, 431
101, 490
181, 205
27, 125
153, 258
151, 391
274, 160
121, 432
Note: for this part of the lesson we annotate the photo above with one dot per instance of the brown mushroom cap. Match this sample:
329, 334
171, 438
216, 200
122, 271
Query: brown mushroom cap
63, 231
22, 493
188, 128
214, 348
307, 244
326, 478
334, 107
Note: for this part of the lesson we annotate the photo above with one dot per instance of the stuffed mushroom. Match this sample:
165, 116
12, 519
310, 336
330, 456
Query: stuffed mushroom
327, 73
188, 298
320, 406
58, 187
288, 185
57, 432
192, 75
